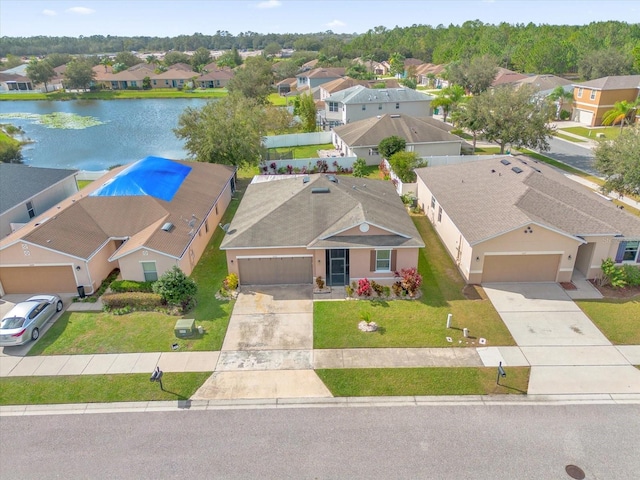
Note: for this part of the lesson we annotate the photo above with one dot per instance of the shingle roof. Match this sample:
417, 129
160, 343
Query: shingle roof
19, 183
360, 94
324, 73
85, 222
485, 198
371, 131
544, 82
505, 76
621, 82
286, 213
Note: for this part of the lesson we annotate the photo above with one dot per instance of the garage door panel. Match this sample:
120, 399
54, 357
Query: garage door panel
520, 268
58, 279
275, 271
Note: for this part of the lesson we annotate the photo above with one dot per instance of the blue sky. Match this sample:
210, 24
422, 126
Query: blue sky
176, 17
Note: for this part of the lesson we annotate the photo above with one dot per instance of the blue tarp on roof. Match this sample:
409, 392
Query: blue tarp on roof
155, 176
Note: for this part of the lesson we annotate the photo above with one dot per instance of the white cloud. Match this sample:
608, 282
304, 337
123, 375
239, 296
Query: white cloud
81, 10
270, 4
49, 13
336, 23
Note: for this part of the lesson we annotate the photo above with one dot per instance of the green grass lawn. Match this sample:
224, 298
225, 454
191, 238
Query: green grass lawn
98, 388
364, 382
487, 151
306, 151
119, 94
609, 132
414, 323
618, 319
277, 100
83, 183
568, 138
7, 139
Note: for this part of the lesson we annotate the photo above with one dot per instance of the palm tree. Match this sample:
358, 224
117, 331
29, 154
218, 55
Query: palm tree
449, 99
622, 112
105, 62
559, 95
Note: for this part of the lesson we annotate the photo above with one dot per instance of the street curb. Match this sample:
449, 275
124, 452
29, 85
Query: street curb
331, 402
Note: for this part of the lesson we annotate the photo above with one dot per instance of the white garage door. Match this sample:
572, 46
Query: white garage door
520, 268
276, 271
585, 117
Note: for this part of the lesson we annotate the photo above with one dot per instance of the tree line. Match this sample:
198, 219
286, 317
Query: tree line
586, 50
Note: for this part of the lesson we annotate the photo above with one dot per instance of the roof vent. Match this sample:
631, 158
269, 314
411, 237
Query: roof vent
516, 169
504, 161
320, 190
332, 178
306, 179
394, 116
167, 227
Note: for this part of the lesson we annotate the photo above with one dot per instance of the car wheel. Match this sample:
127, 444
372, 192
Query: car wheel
35, 334
59, 306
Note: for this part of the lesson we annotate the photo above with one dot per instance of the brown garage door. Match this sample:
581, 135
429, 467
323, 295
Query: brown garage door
520, 268
38, 279
275, 271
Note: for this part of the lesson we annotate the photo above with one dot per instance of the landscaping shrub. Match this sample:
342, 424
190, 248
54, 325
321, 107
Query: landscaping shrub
631, 275
410, 280
565, 114
360, 168
386, 291
176, 289
132, 300
230, 282
319, 283
377, 287
349, 290
612, 275
120, 286
397, 289
364, 288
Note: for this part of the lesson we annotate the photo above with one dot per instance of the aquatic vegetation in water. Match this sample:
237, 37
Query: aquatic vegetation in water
62, 120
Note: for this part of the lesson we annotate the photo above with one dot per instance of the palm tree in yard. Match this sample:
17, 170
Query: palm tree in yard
449, 99
560, 95
622, 112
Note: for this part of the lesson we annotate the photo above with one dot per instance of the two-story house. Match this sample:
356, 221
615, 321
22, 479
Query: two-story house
594, 98
357, 103
318, 76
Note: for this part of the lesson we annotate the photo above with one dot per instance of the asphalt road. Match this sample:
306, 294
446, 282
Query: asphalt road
432, 442
572, 154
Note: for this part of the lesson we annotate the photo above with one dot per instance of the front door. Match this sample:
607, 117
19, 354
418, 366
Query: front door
337, 261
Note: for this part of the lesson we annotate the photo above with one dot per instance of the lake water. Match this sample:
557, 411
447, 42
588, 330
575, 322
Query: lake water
128, 131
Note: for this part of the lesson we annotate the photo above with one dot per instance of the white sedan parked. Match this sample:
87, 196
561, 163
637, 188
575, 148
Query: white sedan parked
24, 321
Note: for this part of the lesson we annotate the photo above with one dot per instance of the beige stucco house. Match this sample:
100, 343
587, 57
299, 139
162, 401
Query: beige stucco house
516, 220
26, 191
142, 218
290, 230
425, 136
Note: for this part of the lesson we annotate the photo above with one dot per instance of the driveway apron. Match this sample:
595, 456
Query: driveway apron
268, 348
567, 353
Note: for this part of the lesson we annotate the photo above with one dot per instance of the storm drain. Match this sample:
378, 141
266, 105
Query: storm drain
574, 472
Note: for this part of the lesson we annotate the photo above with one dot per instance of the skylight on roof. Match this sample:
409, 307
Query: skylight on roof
504, 161
517, 169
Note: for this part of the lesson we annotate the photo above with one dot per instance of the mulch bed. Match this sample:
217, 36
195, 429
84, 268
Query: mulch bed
609, 292
568, 286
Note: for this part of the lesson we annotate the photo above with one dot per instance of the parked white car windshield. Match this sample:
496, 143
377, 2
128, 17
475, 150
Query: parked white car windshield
12, 322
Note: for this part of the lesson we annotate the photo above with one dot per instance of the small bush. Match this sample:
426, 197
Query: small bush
386, 291
364, 288
133, 300
631, 275
360, 167
120, 286
612, 275
319, 283
349, 290
410, 280
377, 287
397, 289
231, 282
564, 114
176, 288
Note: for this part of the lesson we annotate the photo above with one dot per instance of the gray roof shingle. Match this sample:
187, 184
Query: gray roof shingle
286, 213
619, 82
360, 94
485, 198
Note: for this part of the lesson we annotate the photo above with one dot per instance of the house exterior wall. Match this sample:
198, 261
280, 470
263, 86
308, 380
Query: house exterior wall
373, 230
421, 149
603, 102
359, 264
41, 202
353, 112
131, 265
99, 268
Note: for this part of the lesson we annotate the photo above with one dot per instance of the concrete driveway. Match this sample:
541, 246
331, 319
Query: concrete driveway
268, 349
567, 353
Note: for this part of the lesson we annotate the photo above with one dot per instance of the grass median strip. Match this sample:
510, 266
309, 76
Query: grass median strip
98, 388
618, 319
364, 382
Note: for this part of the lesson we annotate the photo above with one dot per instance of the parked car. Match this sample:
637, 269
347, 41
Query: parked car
25, 319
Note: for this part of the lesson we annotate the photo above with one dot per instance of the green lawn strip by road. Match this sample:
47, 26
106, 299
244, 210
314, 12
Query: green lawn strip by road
568, 138
609, 132
414, 323
618, 319
118, 94
101, 332
364, 382
98, 388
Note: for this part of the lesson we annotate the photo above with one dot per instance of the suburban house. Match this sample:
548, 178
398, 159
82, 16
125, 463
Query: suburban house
215, 78
318, 76
513, 219
504, 76
290, 230
377, 68
26, 192
11, 82
173, 78
545, 84
329, 88
425, 136
287, 85
142, 218
428, 74
594, 98
357, 103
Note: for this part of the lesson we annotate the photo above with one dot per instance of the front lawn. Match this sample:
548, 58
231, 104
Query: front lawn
618, 319
609, 132
306, 151
365, 382
415, 323
98, 388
